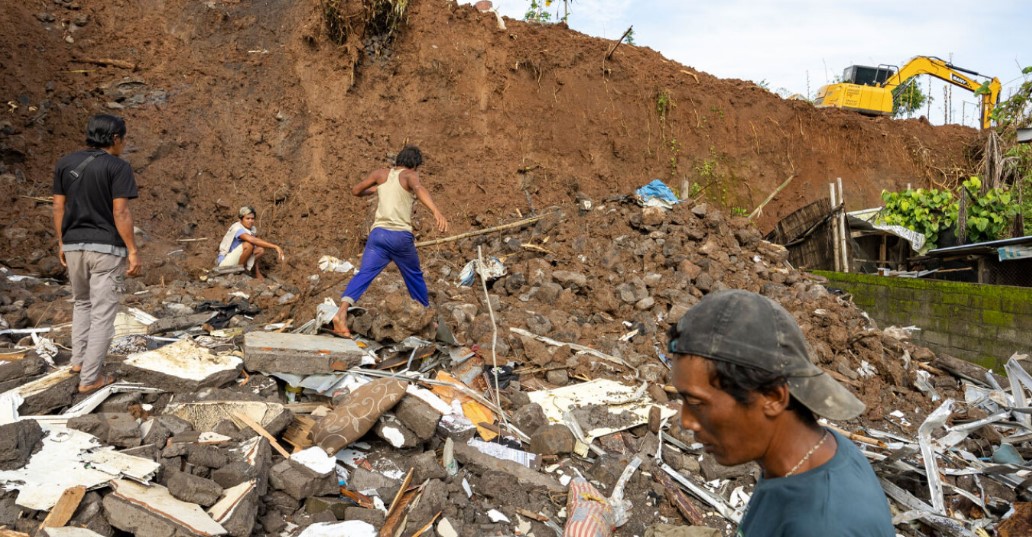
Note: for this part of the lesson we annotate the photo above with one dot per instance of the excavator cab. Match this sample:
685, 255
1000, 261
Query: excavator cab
867, 76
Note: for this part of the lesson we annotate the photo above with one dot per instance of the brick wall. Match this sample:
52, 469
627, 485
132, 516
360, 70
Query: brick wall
984, 324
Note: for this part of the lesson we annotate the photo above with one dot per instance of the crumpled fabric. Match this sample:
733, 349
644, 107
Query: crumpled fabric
656, 194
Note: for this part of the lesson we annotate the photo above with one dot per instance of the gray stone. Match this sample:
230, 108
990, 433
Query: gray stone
175, 424
157, 434
645, 303
281, 501
19, 370
90, 515
120, 402
299, 354
237, 514
273, 522
529, 418
123, 429
193, 489
362, 479
570, 280
18, 440
558, 377
552, 439
298, 481
233, 474
418, 416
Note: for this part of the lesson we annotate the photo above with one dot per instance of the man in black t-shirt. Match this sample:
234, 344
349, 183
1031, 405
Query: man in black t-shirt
94, 227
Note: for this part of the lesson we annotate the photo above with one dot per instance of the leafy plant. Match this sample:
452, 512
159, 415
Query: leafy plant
536, 12
663, 104
926, 211
988, 214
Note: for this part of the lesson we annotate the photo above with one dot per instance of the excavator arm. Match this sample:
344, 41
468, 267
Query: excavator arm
989, 92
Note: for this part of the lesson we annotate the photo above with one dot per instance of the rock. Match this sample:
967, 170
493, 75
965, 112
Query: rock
573, 281
193, 489
206, 456
334, 505
558, 377
426, 466
18, 441
373, 517
653, 216
552, 439
711, 469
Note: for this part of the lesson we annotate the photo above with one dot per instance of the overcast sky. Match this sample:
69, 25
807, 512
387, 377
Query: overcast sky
795, 46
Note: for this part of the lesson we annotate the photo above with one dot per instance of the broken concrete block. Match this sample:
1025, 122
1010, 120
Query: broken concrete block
183, 366
143, 510
17, 371
271, 352
552, 439
238, 509
362, 479
47, 393
352, 418
280, 501
206, 415
418, 416
458, 428
193, 489
122, 430
18, 441
299, 481
426, 466
334, 505
206, 456
526, 477
373, 517
395, 433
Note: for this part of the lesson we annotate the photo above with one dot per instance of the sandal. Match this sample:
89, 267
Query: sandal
102, 381
76, 369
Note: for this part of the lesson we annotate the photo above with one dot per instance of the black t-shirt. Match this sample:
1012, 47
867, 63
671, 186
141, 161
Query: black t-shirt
89, 216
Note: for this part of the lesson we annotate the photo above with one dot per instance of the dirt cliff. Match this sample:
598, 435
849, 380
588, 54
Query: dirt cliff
232, 103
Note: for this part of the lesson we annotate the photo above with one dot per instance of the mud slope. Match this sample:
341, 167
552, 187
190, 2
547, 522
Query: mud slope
249, 102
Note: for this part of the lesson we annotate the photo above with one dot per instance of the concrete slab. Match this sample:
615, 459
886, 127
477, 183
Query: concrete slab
143, 510
237, 511
182, 366
271, 352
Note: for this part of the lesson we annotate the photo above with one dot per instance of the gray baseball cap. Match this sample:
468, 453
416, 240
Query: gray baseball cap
751, 330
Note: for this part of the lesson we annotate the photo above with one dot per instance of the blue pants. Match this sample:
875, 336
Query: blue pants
382, 247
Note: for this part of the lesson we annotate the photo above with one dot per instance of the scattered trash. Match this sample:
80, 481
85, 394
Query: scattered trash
492, 270
328, 263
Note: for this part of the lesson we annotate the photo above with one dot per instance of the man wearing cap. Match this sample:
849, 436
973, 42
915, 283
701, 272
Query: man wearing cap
241, 245
751, 393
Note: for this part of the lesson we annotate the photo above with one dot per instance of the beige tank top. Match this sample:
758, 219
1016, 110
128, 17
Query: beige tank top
394, 210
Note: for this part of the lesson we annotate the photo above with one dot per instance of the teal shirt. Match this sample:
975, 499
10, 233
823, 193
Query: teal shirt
840, 498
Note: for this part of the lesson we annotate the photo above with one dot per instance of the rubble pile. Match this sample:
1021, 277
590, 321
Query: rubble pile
536, 388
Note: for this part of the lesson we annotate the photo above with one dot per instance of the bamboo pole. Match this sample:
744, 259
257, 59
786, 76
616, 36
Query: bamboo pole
834, 230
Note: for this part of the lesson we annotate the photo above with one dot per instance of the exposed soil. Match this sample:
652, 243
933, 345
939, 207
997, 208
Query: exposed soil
234, 103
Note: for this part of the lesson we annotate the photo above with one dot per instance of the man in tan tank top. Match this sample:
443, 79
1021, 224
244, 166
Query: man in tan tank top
391, 237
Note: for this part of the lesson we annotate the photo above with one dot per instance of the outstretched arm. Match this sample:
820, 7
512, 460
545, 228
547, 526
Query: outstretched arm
423, 195
247, 237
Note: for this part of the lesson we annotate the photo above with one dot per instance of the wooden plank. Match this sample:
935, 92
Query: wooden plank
65, 507
299, 432
261, 430
678, 499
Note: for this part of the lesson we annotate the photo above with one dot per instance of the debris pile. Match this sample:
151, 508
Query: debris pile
532, 397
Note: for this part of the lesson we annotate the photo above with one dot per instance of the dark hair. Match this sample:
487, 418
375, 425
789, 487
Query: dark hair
102, 129
410, 157
741, 383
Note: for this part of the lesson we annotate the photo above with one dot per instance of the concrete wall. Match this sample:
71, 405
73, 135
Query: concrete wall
984, 324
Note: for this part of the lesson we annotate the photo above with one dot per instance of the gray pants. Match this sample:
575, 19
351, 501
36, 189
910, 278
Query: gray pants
98, 281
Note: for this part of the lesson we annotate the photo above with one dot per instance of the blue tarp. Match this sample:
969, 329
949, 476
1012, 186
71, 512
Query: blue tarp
656, 193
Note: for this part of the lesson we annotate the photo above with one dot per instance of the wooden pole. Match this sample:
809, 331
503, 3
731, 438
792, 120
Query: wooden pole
618, 41
834, 229
518, 223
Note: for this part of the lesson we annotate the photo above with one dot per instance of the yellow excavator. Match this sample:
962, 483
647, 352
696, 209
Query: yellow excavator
868, 90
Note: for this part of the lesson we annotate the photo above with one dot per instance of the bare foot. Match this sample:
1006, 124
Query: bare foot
340, 322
